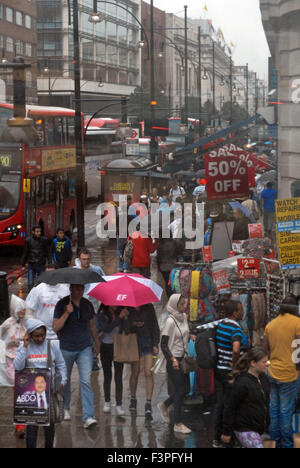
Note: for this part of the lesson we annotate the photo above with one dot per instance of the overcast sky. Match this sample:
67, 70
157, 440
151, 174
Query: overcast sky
240, 21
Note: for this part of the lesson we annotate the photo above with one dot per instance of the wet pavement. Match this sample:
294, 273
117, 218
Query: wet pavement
112, 431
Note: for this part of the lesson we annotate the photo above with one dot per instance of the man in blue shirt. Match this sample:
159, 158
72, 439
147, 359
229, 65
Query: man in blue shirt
268, 197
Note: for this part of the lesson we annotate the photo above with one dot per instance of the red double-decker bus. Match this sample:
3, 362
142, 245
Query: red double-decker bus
37, 183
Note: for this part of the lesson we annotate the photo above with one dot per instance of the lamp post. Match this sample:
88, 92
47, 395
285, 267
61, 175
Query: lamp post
199, 79
186, 71
153, 143
78, 131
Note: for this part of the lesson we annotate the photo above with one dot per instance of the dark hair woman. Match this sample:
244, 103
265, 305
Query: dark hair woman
247, 414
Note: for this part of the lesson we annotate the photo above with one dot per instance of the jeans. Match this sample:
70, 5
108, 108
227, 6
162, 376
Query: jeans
34, 271
282, 407
223, 389
107, 357
180, 387
84, 361
120, 247
32, 435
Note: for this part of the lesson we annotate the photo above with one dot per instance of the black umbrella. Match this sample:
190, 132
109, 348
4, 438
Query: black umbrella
70, 276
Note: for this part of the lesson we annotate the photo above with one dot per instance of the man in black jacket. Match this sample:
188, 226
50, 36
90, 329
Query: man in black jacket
35, 255
144, 323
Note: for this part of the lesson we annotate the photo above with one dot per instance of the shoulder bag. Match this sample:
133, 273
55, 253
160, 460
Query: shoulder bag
187, 364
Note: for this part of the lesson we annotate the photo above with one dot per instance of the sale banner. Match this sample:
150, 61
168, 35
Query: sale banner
255, 231
32, 396
207, 254
227, 177
248, 268
221, 280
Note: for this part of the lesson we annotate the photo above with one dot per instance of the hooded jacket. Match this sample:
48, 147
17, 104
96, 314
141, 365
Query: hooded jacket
36, 356
248, 409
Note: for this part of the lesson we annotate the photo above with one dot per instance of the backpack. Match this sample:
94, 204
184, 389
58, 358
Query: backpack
206, 349
128, 252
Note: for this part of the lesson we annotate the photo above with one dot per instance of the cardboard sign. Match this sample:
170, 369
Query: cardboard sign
255, 231
248, 268
289, 250
227, 177
221, 280
32, 397
207, 254
288, 232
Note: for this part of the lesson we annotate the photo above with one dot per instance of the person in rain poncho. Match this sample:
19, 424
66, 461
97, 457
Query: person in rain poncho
12, 332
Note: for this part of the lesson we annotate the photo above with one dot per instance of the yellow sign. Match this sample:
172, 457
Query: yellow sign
56, 159
289, 250
287, 210
26, 185
122, 187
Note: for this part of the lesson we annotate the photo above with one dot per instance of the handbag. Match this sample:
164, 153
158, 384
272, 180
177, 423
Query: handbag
126, 348
128, 252
187, 363
56, 398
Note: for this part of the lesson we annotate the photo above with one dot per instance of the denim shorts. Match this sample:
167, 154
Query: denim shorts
145, 345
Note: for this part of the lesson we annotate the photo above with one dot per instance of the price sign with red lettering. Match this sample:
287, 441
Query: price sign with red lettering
227, 177
255, 231
221, 280
248, 268
207, 254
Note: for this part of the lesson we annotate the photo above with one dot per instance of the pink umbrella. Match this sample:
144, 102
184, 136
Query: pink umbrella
127, 290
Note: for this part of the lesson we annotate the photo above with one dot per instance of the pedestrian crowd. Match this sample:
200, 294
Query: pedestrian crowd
255, 390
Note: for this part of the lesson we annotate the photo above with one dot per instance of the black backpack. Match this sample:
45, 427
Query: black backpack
206, 349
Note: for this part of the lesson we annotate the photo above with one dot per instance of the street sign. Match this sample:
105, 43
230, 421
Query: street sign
227, 177
135, 134
248, 268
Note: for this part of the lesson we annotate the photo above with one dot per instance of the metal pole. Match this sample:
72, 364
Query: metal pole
231, 94
78, 131
214, 85
153, 144
186, 71
247, 89
199, 79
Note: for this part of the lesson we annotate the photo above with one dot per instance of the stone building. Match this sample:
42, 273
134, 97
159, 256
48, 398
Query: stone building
281, 20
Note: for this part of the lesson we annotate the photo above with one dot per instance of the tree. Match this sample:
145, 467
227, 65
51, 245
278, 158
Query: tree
238, 112
139, 104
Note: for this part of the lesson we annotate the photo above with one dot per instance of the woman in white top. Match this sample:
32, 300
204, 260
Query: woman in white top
174, 343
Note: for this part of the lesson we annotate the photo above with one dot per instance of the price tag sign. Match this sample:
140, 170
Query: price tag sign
248, 268
221, 280
227, 177
207, 254
255, 231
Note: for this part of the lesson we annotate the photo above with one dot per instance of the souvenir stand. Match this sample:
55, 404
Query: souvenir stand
194, 280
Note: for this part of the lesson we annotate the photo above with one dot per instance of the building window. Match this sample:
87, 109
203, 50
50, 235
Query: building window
123, 34
28, 49
112, 54
112, 31
19, 47
123, 57
9, 44
9, 14
1, 11
19, 18
28, 21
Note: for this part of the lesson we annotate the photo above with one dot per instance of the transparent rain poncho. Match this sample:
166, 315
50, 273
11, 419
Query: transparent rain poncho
12, 332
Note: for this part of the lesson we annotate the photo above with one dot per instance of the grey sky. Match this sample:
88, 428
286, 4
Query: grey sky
240, 21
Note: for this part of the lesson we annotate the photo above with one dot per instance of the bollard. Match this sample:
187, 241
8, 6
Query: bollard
4, 303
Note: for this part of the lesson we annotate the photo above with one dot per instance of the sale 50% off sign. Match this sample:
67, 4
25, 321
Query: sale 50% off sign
226, 175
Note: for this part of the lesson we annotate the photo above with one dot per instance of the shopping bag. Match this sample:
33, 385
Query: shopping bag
126, 348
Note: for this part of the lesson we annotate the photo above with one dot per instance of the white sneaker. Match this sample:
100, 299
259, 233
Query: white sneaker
182, 429
67, 416
90, 422
120, 411
106, 407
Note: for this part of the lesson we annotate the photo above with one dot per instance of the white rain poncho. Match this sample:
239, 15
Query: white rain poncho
12, 331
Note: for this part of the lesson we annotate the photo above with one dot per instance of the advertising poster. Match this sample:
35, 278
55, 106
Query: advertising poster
32, 397
288, 232
255, 231
221, 280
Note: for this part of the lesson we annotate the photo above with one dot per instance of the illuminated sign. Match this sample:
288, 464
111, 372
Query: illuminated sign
5, 160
